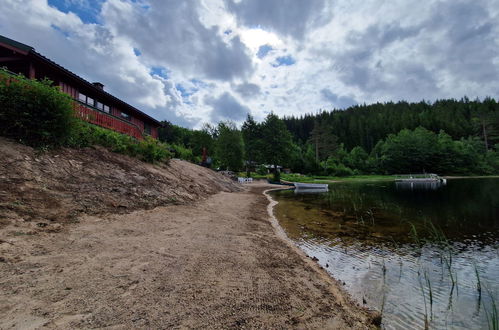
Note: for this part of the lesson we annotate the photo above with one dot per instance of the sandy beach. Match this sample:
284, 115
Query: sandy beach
215, 263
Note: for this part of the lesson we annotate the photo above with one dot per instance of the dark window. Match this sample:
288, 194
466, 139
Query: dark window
147, 128
82, 98
126, 116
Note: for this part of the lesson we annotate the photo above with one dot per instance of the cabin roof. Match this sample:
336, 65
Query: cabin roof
30, 51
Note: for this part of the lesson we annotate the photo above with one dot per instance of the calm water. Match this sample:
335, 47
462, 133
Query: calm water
411, 251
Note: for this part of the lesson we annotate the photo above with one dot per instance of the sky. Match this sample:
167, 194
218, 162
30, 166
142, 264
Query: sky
202, 61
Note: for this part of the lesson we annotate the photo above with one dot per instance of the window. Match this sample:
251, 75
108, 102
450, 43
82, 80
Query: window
106, 108
99, 106
90, 101
82, 98
126, 116
147, 128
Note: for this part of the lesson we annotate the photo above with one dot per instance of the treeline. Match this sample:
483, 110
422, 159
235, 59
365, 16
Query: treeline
365, 125
445, 137
231, 148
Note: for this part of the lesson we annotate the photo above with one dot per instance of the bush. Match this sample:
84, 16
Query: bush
339, 170
34, 112
182, 152
149, 149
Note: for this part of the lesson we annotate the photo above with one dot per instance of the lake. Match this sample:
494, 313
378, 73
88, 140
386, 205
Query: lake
424, 255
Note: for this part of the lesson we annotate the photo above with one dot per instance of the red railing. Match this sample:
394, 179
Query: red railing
105, 120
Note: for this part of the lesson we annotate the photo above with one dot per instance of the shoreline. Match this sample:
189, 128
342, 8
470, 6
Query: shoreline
214, 263
336, 287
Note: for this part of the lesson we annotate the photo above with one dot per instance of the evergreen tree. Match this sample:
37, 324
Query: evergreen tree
229, 147
323, 140
277, 142
252, 136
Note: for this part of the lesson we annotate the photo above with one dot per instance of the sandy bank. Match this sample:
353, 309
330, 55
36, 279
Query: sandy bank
216, 263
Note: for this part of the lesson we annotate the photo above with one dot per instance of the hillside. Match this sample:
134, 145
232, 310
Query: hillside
58, 186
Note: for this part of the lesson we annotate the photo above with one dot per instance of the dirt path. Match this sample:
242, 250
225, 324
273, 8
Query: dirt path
216, 263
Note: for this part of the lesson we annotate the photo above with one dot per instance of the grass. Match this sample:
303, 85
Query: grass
328, 179
255, 175
492, 315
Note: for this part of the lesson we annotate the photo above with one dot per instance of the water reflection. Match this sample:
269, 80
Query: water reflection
416, 254
310, 191
420, 185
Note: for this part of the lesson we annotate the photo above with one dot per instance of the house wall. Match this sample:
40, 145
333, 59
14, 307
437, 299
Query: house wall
71, 91
136, 123
39, 70
154, 132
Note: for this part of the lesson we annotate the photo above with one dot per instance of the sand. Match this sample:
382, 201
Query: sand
215, 263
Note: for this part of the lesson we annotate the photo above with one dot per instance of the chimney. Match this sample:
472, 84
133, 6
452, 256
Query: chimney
98, 85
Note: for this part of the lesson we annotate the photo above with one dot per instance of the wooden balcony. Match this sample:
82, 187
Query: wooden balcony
105, 120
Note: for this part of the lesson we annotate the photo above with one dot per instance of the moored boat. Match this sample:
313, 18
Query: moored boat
429, 177
322, 186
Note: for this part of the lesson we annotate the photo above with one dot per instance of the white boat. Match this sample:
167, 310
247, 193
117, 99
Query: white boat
321, 186
430, 177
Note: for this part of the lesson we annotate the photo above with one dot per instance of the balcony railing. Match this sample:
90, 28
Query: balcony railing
105, 120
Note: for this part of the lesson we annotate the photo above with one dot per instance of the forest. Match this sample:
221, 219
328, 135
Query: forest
447, 137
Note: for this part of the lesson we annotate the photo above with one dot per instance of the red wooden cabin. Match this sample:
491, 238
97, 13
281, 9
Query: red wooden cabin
91, 102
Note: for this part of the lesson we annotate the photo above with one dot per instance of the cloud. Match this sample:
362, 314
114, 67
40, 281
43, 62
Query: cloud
171, 34
341, 102
227, 107
286, 17
202, 61
248, 90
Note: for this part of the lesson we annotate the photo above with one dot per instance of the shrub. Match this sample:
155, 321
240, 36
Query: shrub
34, 112
339, 170
149, 149
182, 152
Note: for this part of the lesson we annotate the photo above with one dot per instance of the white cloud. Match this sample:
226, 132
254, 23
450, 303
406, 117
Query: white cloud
198, 60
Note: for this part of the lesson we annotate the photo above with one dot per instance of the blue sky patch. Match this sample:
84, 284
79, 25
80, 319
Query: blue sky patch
263, 51
88, 11
284, 60
185, 92
199, 83
159, 71
137, 52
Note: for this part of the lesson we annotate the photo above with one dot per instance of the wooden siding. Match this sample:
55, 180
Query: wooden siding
154, 132
71, 91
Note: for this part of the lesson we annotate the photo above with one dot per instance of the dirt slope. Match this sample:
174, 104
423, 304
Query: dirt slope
60, 185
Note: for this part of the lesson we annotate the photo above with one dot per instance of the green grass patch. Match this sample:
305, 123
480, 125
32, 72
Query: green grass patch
327, 179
